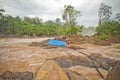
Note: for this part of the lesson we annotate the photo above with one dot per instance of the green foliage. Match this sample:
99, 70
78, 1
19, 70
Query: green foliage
33, 26
75, 29
111, 27
103, 37
63, 30
35, 20
108, 28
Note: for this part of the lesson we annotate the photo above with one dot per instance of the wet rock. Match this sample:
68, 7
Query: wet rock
74, 75
43, 44
16, 76
114, 73
102, 62
51, 71
84, 61
63, 62
27, 76
94, 60
73, 60
6, 75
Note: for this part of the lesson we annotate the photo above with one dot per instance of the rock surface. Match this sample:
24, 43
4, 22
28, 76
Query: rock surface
103, 62
68, 61
19, 58
51, 71
16, 76
74, 75
91, 61
114, 73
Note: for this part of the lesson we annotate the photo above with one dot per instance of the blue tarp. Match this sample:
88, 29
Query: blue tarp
57, 42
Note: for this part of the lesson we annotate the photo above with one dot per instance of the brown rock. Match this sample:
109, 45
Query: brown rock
26, 76
51, 71
16, 76
68, 61
3, 67
74, 75
6, 75
102, 62
114, 73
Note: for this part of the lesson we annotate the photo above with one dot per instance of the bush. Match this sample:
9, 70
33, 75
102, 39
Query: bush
103, 37
108, 28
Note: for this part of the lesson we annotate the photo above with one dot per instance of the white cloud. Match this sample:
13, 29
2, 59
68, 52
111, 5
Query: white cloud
52, 9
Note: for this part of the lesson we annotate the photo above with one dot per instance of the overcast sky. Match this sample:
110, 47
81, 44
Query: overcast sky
52, 9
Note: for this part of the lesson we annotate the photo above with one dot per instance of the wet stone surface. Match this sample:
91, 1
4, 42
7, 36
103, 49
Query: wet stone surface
114, 73
18, 59
17, 76
94, 60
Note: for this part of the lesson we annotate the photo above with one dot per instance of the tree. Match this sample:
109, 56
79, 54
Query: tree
70, 15
1, 12
36, 20
117, 17
17, 18
58, 22
105, 12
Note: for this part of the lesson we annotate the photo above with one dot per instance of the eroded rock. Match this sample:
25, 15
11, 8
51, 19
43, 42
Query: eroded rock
74, 75
94, 60
51, 71
17, 76
114, 73
102, 62
6, 75
73, 60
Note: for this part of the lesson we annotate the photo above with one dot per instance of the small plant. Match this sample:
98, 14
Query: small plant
103, 37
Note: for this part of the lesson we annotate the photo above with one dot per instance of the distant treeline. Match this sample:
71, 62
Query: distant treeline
36, 26
107, 26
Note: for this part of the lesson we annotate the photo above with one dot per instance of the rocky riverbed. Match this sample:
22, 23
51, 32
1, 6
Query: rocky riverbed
31, 60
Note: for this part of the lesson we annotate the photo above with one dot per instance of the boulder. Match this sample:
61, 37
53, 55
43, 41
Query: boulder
51, 71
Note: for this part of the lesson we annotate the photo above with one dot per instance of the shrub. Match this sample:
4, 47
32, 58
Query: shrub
103, 37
